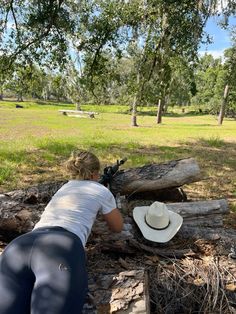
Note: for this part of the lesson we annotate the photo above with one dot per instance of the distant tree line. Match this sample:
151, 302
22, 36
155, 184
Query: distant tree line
135, 52
201, 85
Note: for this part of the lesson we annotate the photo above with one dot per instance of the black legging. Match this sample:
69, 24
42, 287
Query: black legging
43, 272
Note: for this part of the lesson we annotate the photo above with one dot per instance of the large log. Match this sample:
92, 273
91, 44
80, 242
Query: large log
185, 243
202, 220
20, 217
199, 213
156, 177
198, 224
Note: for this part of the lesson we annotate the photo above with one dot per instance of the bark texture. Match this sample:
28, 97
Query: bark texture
120, 293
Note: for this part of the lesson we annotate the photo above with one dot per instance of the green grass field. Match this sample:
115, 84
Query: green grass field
36, 140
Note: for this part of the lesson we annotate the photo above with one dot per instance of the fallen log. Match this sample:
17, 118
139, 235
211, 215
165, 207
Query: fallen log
198, 223
20, 217
182, 245
199, 213
156, 177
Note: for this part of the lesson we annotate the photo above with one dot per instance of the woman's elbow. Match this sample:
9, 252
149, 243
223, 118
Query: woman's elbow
117, 228
114, 220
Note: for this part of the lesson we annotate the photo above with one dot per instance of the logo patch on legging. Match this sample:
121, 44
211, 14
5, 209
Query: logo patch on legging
63, 267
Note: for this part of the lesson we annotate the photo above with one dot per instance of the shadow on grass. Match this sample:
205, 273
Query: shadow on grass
173, 114
37, 157
57, 148
210, 153
217, 158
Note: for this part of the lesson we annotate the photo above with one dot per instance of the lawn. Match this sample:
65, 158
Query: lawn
37, 139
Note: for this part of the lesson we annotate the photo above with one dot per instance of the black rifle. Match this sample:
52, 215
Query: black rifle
110, 171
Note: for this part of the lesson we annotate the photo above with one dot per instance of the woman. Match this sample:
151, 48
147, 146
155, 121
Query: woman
44, 271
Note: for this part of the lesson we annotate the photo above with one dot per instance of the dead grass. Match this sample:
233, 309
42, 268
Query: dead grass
191, 286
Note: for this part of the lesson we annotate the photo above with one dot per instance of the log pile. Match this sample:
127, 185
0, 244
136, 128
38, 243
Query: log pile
201, 234
21, 209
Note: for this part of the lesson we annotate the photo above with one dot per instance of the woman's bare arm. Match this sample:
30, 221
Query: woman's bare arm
114, 220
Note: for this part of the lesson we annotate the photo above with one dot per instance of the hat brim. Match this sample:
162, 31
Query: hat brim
154, 235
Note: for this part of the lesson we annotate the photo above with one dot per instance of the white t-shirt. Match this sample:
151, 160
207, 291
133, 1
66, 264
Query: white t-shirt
75, 206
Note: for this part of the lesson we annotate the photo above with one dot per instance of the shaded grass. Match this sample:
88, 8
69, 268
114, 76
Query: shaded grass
213, 141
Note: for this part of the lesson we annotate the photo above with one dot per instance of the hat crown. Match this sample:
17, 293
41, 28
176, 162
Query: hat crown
157, 216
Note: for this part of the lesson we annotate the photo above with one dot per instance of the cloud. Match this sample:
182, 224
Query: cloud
215, 53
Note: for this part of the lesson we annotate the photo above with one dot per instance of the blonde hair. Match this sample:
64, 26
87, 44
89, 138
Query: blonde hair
82, 164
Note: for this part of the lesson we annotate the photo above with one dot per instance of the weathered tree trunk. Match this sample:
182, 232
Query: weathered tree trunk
156, 177
20, 98
159, 111
1, 93
223, 105
166, 104
134, 112
77, 105
20, 210
202, 220
134, 107
195, 214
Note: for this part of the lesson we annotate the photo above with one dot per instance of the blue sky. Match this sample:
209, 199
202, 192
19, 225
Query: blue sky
220, 37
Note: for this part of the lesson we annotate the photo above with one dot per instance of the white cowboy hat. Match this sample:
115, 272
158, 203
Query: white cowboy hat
156, 222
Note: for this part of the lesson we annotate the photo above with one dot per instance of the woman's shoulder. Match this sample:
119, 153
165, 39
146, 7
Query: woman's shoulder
101, 188
88, 183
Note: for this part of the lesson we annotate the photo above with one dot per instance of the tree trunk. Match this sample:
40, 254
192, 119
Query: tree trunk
136, 97
202, 220
159, 111
134, 112
166, 104
78, 107
20, 98
1, 93
223, 105
20, 210
134, 106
